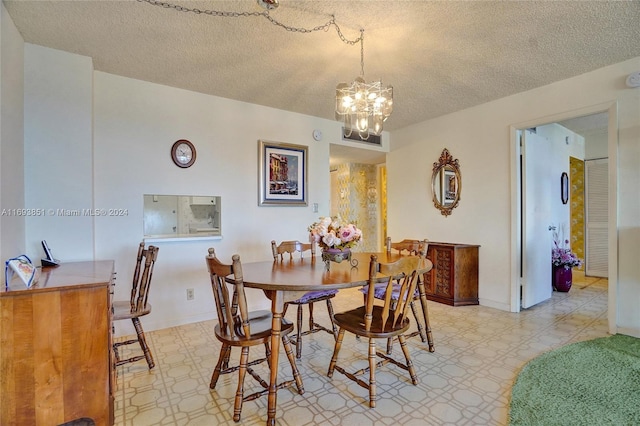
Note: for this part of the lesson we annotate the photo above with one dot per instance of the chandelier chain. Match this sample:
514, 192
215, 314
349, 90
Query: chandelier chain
362, 106
362, 53
265, 14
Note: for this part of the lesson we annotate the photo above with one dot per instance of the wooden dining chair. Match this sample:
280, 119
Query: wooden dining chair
290, 247
237, 327
374, 321
417, 248
138, 304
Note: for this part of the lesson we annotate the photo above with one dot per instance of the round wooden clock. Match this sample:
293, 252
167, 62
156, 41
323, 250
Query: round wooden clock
183, 153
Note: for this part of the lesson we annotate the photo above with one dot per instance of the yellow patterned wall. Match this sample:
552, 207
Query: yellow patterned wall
358, 201
383, 202
576, 191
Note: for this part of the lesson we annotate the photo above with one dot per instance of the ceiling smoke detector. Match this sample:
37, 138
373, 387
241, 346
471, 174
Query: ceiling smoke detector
268, 4
634, 79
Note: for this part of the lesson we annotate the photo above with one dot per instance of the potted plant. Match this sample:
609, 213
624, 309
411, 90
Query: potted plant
563, 260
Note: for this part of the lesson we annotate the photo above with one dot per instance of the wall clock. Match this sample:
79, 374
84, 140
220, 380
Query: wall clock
183, 153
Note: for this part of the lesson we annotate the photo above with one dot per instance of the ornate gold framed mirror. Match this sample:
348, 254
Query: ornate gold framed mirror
446, 183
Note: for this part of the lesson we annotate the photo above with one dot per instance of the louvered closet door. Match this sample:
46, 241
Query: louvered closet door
597, 217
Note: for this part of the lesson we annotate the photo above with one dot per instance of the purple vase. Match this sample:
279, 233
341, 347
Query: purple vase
562, 278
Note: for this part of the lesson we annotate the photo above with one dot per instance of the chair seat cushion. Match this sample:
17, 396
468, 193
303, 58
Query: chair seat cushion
313, 296
122, 310
379, 290
260, 323
353, 321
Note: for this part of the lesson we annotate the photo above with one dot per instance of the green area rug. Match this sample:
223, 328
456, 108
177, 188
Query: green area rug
596, 382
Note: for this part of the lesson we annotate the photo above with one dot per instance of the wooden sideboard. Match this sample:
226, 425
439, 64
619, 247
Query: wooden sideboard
56, 357
454, 277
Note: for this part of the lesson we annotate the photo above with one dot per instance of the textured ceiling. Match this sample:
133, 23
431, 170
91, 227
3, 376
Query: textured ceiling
440, 56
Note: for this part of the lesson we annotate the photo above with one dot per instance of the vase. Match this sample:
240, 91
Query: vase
337, 255
562, 278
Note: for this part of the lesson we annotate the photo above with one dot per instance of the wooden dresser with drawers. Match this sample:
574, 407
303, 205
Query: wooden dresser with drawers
56, 357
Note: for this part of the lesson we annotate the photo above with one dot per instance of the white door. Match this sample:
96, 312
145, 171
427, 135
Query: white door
536, 218
597, 217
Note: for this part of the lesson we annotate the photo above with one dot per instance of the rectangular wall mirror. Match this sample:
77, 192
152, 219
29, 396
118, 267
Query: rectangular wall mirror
180, 216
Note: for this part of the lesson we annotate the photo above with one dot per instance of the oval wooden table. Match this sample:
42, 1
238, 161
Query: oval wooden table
290, 279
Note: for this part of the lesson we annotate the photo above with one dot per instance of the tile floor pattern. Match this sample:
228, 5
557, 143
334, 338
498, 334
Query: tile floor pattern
466, 381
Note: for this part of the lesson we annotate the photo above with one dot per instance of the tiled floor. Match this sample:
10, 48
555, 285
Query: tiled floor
466, 381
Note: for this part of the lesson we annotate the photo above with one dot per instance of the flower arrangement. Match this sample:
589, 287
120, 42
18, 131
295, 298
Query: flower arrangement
561, 254
330, 233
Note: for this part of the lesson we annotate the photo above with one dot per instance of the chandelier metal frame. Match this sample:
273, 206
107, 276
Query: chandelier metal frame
363, 106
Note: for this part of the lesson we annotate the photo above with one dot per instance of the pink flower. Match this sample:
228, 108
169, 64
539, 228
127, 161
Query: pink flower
347, 233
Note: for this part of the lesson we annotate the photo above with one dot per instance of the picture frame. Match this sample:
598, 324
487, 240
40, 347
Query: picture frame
283, 174
564, 188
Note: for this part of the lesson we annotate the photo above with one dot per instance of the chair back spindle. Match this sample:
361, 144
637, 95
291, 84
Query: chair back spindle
136, 277
142, 275
232, 309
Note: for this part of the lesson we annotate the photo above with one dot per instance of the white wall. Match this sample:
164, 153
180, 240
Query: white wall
480, 138
564, 144
482, 217
58, 146
135, 125
100, 141
12, 226
596, 144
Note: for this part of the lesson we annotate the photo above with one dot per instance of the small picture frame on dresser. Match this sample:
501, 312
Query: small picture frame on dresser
23, 268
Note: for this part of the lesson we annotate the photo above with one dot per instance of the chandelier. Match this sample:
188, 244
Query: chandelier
363, 106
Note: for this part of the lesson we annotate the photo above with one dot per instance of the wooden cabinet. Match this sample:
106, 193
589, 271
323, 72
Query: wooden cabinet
55, 347
454, 277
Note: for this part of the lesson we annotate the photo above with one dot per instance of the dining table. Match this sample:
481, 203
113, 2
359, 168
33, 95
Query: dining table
289, 279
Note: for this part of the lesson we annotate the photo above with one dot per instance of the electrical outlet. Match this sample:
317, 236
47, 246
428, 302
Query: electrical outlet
189, 294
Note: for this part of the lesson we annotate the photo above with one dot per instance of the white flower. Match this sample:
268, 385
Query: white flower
331, 233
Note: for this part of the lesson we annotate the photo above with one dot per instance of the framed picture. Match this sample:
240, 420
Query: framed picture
564, 188
283, 174
449, 187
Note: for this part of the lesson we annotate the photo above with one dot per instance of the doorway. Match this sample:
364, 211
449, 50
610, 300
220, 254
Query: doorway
358, 191
519, 244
